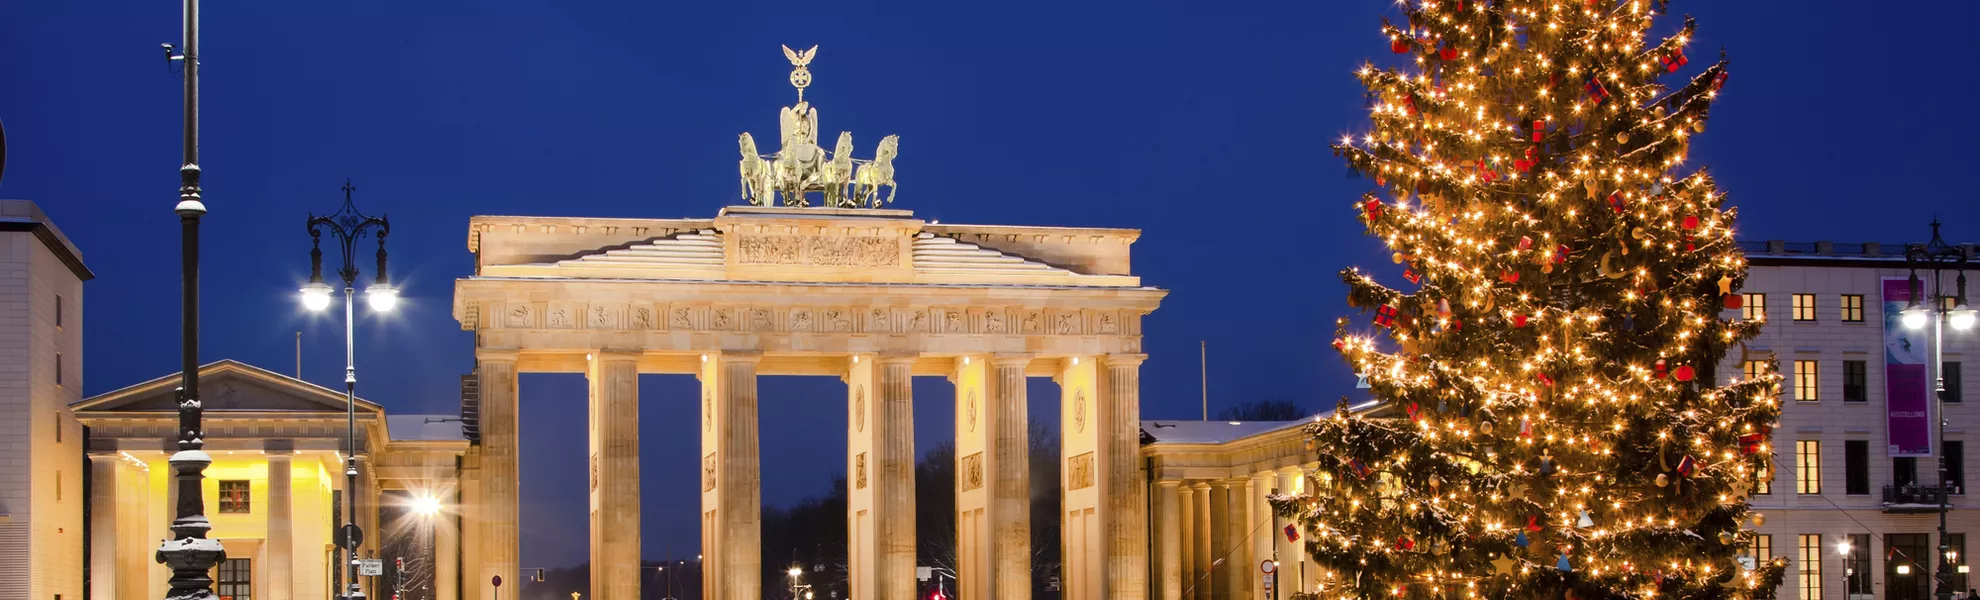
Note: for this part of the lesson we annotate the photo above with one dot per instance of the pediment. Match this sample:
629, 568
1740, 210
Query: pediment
227, 386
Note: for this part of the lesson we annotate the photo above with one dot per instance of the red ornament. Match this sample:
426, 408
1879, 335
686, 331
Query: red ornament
1539, 130
1752, 443
1405, 544
1410, 274
1532, 523
1448, 53
1735, 301
1509, 276
1596, 92
1413, 411
1687, 466
1544, 379
1385, 316
1456, 325
1662, 369
1719, 81
1616, 202
1525, 242
1372, 208
1675, 60
1401, 45
1690, 223
1519, 321
1684, 373
1560, 254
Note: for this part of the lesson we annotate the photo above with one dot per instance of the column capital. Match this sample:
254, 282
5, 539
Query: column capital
1126, 359
615, 354
734, 356
1011, 359
895, 358
1200, 485
1168, 483
497, 354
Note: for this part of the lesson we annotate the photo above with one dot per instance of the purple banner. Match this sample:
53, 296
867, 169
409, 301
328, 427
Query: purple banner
1907, 408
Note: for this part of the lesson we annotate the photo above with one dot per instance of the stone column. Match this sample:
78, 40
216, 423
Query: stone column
1263, 520
1121, 489
880, 511
1222, 572
1291, 554
1204, 577
281, 552
473, 584
105, 522
614, 476
731, 497
1186, 502
447, 551
1238, 560
499, 514
1009, 458
1169, 540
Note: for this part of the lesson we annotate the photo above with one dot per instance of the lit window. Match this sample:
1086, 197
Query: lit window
1754, 308
1753, 369
1811, 566
1763, 548
1852, 308
1807, 467
236, 579
1805, 381
1803, 306
1858, 563
234, 496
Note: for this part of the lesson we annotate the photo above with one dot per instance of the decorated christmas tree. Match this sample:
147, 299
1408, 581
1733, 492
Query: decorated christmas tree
1546, 354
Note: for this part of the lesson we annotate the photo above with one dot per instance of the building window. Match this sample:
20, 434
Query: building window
1852, 308
1763, 548
58, 428
1856, 381
1907, 566
1810, 560
58, 486
234, 496
1856, 467
1955, 465
1807, 467
1803, 306
1904, 470
1754, 308
1806, 379
58, 369
58, 311
1950, 371
236, 580
1857, 565
1753, 369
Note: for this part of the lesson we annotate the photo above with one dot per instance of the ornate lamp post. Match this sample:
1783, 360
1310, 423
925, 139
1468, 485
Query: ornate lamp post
1937, 257
348, 226
189, 554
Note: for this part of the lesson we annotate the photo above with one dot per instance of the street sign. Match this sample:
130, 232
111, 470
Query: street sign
923, 573
1271, 585
1268, 566
496, 580
371, 567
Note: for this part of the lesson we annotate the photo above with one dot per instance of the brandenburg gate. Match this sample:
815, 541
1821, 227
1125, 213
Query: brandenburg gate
848, 288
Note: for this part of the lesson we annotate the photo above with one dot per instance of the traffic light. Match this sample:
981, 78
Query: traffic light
399, 563
539, 576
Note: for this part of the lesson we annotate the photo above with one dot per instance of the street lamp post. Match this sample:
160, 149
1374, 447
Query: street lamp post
348, 226
1937, 257
189, 553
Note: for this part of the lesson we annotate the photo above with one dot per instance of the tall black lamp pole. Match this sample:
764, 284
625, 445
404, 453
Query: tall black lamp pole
189, 554
1937, 257
348, 226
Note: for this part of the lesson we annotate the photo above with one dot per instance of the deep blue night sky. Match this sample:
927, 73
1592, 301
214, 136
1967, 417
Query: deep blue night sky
1203, 124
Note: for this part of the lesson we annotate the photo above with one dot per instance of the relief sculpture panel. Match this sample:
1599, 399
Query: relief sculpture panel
829, 251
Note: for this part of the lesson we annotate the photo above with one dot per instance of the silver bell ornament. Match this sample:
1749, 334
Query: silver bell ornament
1663, 480
1759, 519
1726, 537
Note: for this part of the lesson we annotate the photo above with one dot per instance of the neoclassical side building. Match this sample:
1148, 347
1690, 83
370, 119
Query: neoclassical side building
274, 489
873, 297
1210, 523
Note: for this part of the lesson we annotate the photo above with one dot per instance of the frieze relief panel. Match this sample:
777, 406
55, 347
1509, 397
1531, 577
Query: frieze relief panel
1079, 472
972, 472
828, 251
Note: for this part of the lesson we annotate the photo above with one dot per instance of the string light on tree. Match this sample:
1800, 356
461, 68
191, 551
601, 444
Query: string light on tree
1565, 278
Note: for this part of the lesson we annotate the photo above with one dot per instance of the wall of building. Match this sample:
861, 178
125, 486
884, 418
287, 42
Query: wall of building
245, 534
41, 476
1828, 420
